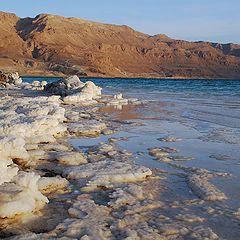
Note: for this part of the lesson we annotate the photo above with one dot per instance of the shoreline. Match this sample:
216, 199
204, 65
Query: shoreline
43, 165
76, 190
151, 78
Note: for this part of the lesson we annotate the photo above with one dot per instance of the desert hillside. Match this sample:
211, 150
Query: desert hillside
56, 45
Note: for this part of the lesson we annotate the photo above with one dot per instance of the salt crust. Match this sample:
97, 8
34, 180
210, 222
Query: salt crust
198, 180
29, 127
49, 184
71, 158
124, 216
105, 173
21, 196
86, 127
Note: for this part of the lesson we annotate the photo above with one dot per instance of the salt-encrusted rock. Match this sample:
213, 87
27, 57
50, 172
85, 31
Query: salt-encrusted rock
117, 101
189, 218
31, 118
22, 196
118, 96
36, 83
37, 154
86, 127
12, 78
198, 180
84, 218
12, 147
201, 232
173, 229
158, 152
43, 83
169, 139
107, 131
87, 93
71, 158
204, 189
237, 213
106, 173
73, 82
3, 79
57, 147
40, 139
126, 196
74, 91
7, 170
64, 87
50, 184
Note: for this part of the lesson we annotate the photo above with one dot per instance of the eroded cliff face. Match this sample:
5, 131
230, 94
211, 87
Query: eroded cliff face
50, 44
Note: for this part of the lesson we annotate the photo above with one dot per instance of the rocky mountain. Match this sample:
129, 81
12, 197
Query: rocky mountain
50, 44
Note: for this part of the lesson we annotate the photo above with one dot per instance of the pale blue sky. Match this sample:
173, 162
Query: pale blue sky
210, 20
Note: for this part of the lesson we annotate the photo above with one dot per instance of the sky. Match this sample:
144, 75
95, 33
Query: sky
194, 20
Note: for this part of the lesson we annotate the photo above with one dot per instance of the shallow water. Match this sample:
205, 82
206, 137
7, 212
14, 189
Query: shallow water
205, 114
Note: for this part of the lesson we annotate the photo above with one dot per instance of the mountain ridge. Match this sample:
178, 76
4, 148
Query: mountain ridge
52, 45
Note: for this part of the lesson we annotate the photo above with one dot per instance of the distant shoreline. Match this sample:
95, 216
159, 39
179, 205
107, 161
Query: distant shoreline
153, 78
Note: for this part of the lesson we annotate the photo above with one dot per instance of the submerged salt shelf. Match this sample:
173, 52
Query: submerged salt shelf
96, 166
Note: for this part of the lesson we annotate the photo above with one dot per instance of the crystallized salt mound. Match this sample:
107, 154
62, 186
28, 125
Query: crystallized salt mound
12, 147
198, 180
169, 139
158, 152
50, 184
74, 91
12, 78
35, 139
88, 221
7, 171
22, 196
127, 195
57, 147
31, 117
86, 127
189, 218
116, 100
106, 173
71, 158
87, 93
200, 233
204, 189
64, 87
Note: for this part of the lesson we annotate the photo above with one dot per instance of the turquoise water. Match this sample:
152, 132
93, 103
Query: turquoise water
205, 114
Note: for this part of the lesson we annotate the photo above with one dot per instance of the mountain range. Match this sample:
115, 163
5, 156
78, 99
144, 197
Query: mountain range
55, 45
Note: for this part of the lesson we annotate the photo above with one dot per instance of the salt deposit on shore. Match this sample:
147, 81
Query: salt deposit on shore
100, 193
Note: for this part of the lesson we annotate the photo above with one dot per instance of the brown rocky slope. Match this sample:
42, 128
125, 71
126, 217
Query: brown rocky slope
50, 44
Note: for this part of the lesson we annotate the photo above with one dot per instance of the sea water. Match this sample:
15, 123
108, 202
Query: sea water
205, 114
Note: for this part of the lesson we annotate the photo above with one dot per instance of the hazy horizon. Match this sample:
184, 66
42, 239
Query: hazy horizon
217, 21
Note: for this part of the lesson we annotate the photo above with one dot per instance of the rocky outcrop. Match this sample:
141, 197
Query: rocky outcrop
7, 79
50, 44
73, 90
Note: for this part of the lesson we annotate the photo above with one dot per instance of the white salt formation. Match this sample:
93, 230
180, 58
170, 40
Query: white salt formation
106, 173
29, 128
86, 127
21, 196
96, 192
199, 181
7, 170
